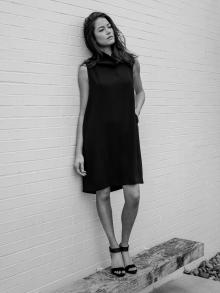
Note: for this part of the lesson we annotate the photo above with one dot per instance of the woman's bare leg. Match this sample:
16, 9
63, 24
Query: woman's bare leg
128, 216
104, 209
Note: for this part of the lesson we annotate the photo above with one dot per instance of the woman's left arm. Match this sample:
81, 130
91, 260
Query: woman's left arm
139, 91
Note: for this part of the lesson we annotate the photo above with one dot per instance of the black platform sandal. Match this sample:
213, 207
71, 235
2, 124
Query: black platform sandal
120, 270
131, 266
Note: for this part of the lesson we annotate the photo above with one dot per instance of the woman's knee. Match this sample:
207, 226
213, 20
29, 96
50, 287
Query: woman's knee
103, 194
132, 194
134, 198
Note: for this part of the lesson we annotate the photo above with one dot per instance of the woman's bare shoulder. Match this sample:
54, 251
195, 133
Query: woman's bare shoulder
82, 71
136, 67
136, 61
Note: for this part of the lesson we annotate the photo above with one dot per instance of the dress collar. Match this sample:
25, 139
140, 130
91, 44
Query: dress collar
107, 59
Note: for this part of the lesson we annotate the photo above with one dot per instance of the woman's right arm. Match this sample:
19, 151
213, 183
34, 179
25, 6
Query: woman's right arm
84, 92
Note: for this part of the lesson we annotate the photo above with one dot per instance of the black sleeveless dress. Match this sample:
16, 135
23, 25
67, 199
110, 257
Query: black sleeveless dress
111, 147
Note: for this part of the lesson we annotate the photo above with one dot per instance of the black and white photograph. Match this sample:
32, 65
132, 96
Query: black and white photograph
109, 146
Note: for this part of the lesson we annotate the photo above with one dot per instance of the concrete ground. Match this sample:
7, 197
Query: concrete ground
188, 284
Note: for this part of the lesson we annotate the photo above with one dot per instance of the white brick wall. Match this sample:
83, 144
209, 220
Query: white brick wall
50, 231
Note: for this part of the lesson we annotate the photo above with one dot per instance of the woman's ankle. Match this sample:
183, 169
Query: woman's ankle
113, 244
124, 243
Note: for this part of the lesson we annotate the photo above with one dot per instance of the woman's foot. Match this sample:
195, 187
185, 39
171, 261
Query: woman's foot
128, 263
117, 261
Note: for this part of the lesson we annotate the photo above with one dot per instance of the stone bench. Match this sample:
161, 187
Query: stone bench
153, 264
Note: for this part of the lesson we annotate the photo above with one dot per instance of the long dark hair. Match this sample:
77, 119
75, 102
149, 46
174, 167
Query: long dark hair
119, 50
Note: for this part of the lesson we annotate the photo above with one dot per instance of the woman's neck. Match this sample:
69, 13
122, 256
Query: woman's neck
107, 51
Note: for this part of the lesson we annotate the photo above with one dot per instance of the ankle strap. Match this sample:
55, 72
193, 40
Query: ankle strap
114, 249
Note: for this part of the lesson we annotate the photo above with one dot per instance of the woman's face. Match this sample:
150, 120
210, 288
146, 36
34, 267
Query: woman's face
103, 32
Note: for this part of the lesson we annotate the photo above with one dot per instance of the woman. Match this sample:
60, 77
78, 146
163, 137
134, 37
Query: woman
108, 155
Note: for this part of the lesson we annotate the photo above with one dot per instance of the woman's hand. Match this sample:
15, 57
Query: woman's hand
79, 165
137, 112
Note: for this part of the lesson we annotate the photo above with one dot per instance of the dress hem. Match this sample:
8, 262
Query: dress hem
113, 187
